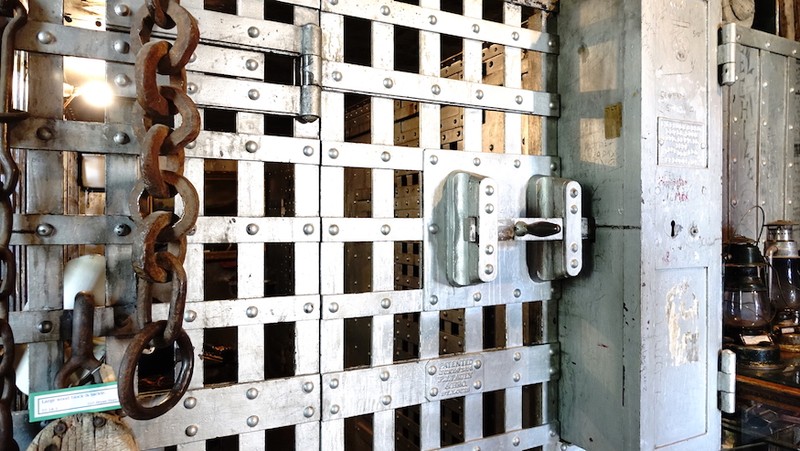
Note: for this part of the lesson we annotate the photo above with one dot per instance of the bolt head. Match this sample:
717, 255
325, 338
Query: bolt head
190, 316
517, 293
191, 430
334, 409
251, 146
333, 307
253, 32
253, 94
121, 138
45, 37
122, 9
44, 133
388, 83
337, 76
333, 229
308, 307
334, 383
477, 297
385, 229
252, 421
432, 19
386, 303
476, 161
122, 230
432, 370
386, 156
308, 412
517, 356
517, 164
252, 229
436, 90
308, 387
192, 88
434, 300
434, 391
333, 153
517, 377
45, 229
515, 36
45, 327
308, 229
121, 46
251, 393
489, 269
518, 99
251, 64
477, 385
308, 151
190, 402
386, 400
122, 80
434, 159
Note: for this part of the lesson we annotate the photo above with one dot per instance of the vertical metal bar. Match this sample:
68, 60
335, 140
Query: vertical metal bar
550, 84
333, 435
473, 404
473, 72
307, 436
512, 78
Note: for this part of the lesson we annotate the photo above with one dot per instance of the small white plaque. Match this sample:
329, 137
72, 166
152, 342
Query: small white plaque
53, 404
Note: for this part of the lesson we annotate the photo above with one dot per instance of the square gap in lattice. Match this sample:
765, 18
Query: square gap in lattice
357, 41
220, 6
277, 125
493, 10
452, 421
279, 350
357, 342
280, 439
220, 356
358, 433
279, 191
86, 96
406, 49
406, 336
217, 120
228, 443
407, 194
407, 428
357, 267
407, 265
532, 405
494, 413
281, 69
156, 370
533, 323
451, 332
278, 11
357, 118
220, 187
278, 269
220, 271
494, 327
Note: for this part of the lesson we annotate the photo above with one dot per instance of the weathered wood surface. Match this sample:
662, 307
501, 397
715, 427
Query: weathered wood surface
98, 431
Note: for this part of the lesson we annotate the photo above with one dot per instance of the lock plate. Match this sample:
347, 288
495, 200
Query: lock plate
509, 176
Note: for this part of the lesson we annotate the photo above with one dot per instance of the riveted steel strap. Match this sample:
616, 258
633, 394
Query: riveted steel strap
14, 15
159, 246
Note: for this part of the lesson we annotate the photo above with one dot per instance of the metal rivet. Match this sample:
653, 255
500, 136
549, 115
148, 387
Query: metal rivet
388, 83
252, 421
564, 447
308, 307
517, 293
479, 94
476, 161
436, 90
190, 316
308, 387
337, 76
121, 138
434, 391
434, 159
386, 400
764, 123
251, 311
308, 151
253, 94
190, 402
121, 46
191, 430
386, 156
253, 32
191, 88
193, 58
517, 377
476, 448
308, 229
122, 80
386, 302
45, 327
251, 393
45, 229
517, 356
122, 230
552, 105
489, 249
515, 441
333, 153
476, 28
434, 300
573, 209
334, 409
574, 263
517, 164
553, 433
191, 145
385, 375
385, 10
333, 229
334, 2
573, 193
431, 370
334, 383
518, 99
308, 412
515, 36
251, 146
122, 9
252, 229
734, 202
573, 247
44, 133
489, 190
551, 43
553, 167
432, 20
489, 269
489, 208
477, 364
45, 37
385, 229
433, 229
477, 385
476, 297
251, 64
333, 307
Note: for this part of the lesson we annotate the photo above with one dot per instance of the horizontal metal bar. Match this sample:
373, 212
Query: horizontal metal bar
49, 325
371, 229
338, 306
437, 21
41, 37
114, 138
71, 229
357, 155
224, 410
245, 312
352, 78
219, 28
546, 5
207, 90
358, 392
749, 37
237, 229
513, 440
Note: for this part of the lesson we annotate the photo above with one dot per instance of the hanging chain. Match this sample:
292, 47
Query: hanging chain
162, 223
14, 16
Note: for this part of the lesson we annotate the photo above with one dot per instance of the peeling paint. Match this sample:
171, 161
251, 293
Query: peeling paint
682, 312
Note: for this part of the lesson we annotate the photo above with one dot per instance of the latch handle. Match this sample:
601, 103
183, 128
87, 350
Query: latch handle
539, 228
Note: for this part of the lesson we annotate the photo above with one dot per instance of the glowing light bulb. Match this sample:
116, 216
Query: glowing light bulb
97, 93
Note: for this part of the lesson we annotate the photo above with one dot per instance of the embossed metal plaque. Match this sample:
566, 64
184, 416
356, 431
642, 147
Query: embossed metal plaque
681, 143
451, 378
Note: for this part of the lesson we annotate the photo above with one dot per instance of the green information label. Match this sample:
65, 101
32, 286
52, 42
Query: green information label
54, 404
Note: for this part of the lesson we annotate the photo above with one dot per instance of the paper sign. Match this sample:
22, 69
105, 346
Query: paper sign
60, 403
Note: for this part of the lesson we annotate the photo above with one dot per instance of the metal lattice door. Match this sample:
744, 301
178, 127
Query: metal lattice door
320, 303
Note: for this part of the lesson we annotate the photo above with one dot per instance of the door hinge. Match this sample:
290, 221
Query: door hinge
310, 73
726, 54
726, 381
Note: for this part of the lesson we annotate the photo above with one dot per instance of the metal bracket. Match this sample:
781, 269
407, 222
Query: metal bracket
560, 257
726, 54
726, 381
310, 73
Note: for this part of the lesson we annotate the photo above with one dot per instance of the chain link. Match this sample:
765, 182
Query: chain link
162, 223
14, 16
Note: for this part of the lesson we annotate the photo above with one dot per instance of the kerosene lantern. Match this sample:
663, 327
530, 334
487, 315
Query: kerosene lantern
783, 276
747, 312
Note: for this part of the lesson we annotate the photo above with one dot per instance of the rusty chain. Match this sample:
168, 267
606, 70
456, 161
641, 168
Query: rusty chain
162, 223
14, 15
